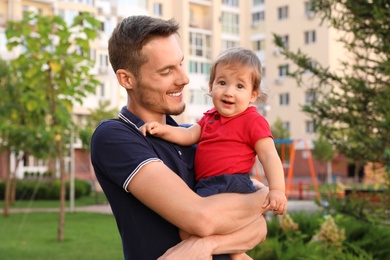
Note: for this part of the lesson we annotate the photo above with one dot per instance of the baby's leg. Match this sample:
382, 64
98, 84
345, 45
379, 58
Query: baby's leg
183, 235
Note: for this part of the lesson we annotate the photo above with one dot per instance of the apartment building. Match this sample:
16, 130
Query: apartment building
206, 28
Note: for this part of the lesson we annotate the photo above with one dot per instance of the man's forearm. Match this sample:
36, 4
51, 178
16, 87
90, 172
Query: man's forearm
232, 211
239, 241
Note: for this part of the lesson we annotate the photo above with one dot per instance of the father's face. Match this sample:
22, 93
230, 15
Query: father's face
162, 78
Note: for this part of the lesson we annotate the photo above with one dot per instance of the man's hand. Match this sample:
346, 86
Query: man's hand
276, 201
192, 248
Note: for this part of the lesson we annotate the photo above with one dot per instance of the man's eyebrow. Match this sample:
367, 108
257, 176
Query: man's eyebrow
169, 66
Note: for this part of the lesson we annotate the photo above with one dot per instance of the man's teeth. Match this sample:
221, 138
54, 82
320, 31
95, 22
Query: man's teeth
174, 94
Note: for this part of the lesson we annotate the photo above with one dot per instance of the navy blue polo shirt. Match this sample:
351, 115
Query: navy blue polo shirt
118, 151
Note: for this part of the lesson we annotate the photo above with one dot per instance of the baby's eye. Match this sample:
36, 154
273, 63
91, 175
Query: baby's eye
223, 83
240, 86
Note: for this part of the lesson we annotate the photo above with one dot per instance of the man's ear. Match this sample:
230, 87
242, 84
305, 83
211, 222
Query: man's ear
126, 79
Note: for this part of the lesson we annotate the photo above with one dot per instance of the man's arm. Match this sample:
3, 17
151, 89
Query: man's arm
164, 192
179, 135
237, 242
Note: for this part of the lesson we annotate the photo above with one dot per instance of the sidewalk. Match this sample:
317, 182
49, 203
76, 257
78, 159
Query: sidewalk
293, 205
101, 208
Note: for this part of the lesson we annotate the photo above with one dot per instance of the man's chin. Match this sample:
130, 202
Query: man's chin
178, 111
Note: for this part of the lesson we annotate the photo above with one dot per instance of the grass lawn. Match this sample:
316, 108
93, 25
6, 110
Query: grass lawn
83, 201
34, 236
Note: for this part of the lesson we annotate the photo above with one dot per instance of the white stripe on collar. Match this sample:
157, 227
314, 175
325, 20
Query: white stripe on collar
121, 116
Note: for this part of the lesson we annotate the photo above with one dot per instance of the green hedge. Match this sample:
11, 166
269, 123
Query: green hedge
41, 189
362, 240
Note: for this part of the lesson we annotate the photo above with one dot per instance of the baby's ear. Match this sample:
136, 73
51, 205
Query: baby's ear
255, 95
210, 88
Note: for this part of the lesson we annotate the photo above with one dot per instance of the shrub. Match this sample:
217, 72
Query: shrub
44, 189
290, 238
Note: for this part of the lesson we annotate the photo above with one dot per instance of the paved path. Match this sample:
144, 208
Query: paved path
302, 205
293, 205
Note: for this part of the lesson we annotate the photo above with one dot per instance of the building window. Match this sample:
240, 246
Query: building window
157, 9
283, 70
285, 40
102, 90
230, 23
310, 97
310, 37
284, 99
309, 11
310, 127
258, 2
286, 125
92, 54
312, 64
200, 45
258, 17
198, 97
231, 2
229, 44
197, 67
283, 12
106, 26
3, 41
31, 9
68, 15
258, 45
103, 60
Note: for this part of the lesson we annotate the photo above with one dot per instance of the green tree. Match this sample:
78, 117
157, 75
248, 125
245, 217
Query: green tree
53, 72
20, 129
279, 132
97, 115
323, 152
352, 106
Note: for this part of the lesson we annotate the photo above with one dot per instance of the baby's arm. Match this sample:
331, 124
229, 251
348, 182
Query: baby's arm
178, 135
273, 168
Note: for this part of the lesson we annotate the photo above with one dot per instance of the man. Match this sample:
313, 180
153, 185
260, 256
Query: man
149, 181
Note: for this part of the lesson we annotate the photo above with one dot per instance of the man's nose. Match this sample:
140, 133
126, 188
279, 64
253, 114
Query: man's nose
182, 78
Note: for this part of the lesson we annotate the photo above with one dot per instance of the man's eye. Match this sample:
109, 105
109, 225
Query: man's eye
166, 72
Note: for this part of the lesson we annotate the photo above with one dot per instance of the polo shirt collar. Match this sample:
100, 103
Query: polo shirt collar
130, 118
213, 113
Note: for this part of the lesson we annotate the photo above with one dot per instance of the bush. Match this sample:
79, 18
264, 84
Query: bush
41, 189
294, 238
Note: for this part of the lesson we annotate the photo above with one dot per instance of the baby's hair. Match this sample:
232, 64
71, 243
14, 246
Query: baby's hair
241, 57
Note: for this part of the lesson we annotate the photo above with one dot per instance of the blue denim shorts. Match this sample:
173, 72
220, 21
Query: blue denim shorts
237, 183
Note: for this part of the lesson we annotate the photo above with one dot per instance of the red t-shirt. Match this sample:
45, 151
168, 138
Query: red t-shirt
226, 145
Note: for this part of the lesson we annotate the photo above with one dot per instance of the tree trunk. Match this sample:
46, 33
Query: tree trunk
61, 222
356, 173
13, 180
7, 187
329, 171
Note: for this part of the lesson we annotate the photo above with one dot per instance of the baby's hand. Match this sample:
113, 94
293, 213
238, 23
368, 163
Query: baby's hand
153, 128
277, 201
